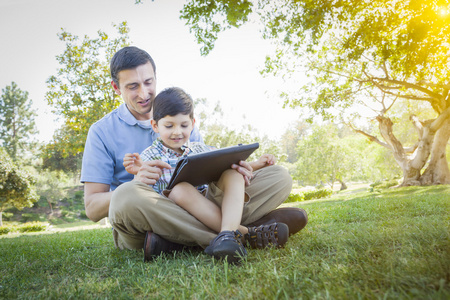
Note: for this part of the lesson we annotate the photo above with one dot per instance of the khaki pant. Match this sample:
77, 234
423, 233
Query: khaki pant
135, 209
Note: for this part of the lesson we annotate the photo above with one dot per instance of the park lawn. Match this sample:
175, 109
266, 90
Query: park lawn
393, 244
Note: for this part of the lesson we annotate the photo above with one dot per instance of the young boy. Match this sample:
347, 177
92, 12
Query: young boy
218, 205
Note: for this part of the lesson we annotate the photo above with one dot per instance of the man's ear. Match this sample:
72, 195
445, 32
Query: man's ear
115, 87
154, 125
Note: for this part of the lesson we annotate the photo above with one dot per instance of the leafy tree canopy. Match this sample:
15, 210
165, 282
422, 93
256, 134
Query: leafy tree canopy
16, 185
16, 120
356, 54
81, 90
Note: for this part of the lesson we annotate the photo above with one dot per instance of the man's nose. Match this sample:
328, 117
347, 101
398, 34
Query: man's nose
142, 93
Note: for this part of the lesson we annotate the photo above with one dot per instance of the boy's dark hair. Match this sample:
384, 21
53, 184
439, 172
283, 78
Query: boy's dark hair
171, 102
129, 58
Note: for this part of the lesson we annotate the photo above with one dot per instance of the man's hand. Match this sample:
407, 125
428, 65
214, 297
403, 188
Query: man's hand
151, 171
245, 169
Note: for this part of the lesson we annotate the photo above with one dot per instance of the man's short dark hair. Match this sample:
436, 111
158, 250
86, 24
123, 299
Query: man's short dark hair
171, 102
129, 58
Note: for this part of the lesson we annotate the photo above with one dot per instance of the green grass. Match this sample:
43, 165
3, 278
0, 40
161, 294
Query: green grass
393, 244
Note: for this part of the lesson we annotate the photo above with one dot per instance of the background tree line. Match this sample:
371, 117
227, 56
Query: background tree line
388, 56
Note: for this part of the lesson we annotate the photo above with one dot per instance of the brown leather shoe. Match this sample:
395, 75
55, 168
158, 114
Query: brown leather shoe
154, 245
295, 218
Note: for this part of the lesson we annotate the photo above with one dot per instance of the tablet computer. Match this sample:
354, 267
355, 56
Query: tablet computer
206, 167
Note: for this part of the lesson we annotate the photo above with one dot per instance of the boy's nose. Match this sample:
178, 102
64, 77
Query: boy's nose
176, 130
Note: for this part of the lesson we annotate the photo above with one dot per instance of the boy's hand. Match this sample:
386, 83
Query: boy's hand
132, 163
245, 169
266, 160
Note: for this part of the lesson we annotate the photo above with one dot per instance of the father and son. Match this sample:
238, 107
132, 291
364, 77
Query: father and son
128, 161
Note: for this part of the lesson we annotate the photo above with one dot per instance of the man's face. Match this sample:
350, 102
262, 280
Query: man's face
137, 87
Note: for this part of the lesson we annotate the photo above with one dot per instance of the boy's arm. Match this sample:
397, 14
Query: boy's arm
264, 161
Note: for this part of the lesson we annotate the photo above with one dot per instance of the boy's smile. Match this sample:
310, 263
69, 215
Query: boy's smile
174, 130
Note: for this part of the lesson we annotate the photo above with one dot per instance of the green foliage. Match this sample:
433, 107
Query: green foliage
395, 245
6, 216
16, 185
309, 195
56, 159
352, 60
317, 194
206, 19
324, 156
16, 120
27, 227
5, 229
217, 134
53, 186
293, 197
383, 184
81, 90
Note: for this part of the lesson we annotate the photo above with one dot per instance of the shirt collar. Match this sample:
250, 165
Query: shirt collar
159, 144
126, 116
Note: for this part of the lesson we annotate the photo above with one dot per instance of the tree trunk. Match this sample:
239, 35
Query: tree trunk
437, 171
1, 218
343, 185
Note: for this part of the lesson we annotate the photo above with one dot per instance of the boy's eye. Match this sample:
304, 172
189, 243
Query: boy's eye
184, 126
168, 126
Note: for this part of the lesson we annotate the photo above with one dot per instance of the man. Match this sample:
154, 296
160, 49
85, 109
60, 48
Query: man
140, 217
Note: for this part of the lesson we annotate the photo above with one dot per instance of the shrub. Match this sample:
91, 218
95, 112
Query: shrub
317, 194
83, 214
7, 216
33, 227
295, 198
27, 217
379, 184
27, 227
5, 229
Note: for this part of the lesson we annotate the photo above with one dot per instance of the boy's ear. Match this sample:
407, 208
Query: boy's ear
154, 125
115, 87
193, 122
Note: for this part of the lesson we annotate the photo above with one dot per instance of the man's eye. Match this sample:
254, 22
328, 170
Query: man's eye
133, 87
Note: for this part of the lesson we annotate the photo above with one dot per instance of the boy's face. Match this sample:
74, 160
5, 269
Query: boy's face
174, 130
137, 88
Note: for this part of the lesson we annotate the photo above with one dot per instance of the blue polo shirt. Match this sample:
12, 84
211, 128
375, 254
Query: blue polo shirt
107, 142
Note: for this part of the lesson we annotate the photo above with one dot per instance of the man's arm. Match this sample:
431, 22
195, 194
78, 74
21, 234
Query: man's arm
96, 200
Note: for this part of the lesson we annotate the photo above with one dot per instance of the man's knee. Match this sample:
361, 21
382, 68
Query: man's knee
279, 175
129, 196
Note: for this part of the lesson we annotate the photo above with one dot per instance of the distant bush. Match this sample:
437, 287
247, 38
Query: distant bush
32, 227
27, 227
295, 198
7, 216
5, 229
316, 194
83, 214
29, 217
383, 184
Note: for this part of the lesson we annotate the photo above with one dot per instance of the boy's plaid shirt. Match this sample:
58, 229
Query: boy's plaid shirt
157, 151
